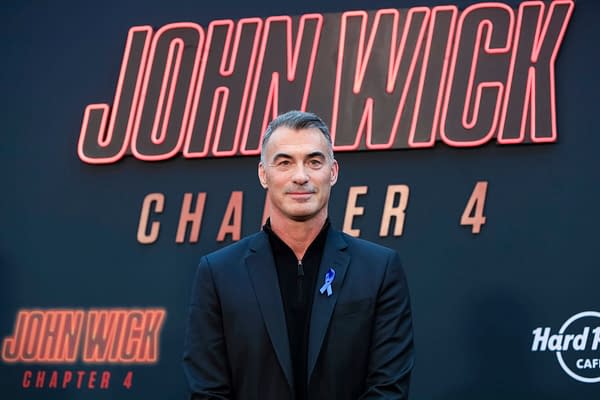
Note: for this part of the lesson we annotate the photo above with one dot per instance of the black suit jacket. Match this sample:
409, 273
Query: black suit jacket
360, 341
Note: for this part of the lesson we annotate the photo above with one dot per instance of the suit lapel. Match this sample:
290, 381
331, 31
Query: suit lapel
334, 256
263, 275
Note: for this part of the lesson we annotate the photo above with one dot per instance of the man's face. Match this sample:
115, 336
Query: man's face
297, 173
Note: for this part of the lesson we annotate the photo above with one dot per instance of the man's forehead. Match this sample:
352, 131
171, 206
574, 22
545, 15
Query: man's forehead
286, 131
289, 137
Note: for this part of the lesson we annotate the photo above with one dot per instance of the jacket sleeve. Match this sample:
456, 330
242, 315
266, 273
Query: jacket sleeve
391, 350
205, 360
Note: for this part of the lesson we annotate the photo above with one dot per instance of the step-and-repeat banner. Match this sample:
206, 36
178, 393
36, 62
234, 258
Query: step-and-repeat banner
467, 139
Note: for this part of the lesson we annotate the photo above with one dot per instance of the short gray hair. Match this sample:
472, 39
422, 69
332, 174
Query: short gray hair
297, 120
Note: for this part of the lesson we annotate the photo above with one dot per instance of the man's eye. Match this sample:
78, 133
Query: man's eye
283, 163
315, 163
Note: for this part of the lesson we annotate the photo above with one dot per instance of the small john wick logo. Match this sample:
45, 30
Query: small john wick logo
576, 345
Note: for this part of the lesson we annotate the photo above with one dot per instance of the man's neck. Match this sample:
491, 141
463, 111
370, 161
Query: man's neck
298, 235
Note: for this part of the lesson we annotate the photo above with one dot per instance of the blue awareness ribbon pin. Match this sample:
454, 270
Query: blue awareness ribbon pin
329, 277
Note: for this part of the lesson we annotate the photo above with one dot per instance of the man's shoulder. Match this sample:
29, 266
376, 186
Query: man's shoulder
234, 251
366, 246
372, 260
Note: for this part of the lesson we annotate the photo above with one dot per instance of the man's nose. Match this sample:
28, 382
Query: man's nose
300, 176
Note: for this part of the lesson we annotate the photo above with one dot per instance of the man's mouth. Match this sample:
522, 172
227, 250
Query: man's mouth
300, 194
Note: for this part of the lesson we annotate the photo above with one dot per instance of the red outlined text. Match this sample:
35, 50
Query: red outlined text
401, 79
115, 336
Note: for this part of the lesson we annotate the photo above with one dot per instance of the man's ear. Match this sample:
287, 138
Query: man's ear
262, 175
335, 169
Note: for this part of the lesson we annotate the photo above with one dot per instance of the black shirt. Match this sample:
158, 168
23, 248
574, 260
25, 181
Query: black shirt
297, 279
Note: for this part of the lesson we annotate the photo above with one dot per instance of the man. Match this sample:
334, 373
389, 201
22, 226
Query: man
299, 310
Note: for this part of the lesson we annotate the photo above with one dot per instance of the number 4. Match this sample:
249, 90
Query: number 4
128, 381
473, 214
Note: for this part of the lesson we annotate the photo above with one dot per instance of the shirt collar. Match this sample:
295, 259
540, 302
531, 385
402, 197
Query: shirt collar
317, 243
